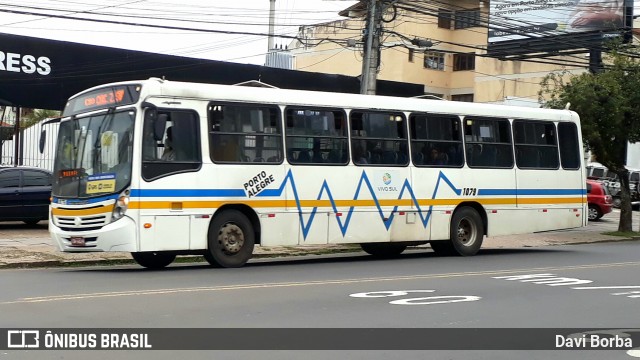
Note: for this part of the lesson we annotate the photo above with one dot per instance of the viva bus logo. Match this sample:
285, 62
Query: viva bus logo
386, 179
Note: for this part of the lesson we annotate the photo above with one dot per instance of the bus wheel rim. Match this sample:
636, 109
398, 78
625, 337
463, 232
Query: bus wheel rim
467, 231
231, 237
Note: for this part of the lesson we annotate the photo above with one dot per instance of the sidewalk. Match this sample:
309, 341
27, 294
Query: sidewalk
32, 247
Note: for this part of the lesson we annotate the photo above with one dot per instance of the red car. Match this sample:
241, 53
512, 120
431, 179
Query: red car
599, 200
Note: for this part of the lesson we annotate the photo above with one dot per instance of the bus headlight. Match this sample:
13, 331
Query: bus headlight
121, 206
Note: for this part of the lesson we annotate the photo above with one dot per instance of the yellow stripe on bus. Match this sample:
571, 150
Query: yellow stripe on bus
82, 212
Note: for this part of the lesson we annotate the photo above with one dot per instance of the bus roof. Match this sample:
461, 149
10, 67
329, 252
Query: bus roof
156, 87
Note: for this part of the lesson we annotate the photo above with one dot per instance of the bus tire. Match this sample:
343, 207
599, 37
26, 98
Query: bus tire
383, 250
443, 247
153, 260
467, 231
231, 239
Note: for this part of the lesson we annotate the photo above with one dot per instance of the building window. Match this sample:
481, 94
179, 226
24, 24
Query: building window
463, 62
434, 60
411, 54
444, 18
462, 97
467, 18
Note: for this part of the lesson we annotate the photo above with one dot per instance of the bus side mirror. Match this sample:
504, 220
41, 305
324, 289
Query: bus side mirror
43, 134
42, 141
155, 121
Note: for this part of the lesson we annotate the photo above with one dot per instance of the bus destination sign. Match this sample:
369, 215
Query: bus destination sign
103, 98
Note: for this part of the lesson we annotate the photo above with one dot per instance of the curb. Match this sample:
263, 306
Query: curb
189, 259
294, 252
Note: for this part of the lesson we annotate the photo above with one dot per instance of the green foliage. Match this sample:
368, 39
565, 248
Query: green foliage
608, 104
38, 115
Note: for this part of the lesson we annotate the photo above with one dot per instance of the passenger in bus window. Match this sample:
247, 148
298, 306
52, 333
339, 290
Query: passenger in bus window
228, 150
358, 156
169, 153
317, 154
435, 157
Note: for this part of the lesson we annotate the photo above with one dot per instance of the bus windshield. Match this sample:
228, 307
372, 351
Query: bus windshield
93, 156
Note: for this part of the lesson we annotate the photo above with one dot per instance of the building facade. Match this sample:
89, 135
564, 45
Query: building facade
453, 65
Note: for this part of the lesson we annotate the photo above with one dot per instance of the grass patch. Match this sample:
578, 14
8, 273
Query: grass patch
627, 234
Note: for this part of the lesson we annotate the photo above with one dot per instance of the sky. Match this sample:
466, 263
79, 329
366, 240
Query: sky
42, 18
245, 16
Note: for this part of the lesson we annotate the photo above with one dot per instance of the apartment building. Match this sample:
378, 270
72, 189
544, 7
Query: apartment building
440, 44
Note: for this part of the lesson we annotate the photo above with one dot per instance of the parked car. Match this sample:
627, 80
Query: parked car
24, 194
597, 171
599, 199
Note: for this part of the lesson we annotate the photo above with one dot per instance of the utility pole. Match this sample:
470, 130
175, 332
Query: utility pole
371, 58
595, 61
272, 21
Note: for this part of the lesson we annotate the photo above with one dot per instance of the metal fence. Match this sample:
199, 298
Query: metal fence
28, 149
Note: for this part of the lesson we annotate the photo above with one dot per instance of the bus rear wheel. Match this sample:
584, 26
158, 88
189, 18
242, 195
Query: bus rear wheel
153, 260
466, 234
467, 231
383, 250
443, 248
231, 240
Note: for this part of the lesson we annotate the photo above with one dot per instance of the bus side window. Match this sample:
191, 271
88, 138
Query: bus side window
244, 133
178, 150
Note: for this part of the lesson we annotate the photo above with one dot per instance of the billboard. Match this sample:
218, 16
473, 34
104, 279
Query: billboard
42, 73
561, 24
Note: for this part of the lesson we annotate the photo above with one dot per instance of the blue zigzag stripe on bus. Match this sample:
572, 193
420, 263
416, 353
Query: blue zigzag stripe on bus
363, 179
425, 214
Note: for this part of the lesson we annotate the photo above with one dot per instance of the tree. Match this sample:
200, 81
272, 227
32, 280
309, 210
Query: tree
608, 103
36, 116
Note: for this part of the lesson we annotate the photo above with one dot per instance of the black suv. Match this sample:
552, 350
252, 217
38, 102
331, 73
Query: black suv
24, 194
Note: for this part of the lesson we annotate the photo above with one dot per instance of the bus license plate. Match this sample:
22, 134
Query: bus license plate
77, 241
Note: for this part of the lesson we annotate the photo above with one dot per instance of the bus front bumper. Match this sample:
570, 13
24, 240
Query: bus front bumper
117, 236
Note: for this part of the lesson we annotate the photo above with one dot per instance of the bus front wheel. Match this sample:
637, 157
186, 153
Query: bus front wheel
231, 240
153, 260
383, 250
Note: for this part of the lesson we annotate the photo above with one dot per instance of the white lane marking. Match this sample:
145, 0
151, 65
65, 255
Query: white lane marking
634, 353
605, 287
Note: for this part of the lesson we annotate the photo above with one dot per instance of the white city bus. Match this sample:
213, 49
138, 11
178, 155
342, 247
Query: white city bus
160, 168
